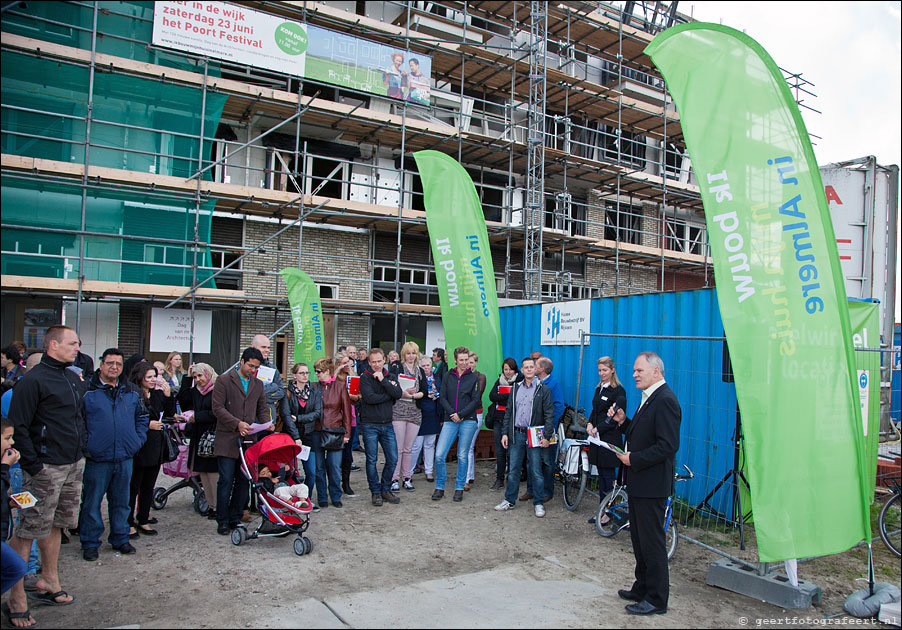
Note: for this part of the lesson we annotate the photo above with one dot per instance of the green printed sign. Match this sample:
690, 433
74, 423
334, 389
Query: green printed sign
779, 287
463, 260
307, 314
291, 38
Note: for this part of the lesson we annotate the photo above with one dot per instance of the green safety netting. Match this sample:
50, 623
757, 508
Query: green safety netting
138, 124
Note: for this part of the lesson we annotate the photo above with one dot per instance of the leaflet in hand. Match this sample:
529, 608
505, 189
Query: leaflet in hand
607, 445
534, 435
266, 374
256, 428
304, 454
406, 382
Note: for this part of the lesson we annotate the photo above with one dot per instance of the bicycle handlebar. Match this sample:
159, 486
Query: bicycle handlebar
685, 477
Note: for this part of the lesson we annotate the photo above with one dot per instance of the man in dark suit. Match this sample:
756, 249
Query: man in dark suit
652, 440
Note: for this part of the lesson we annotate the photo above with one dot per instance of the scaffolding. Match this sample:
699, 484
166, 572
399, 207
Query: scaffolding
562, 121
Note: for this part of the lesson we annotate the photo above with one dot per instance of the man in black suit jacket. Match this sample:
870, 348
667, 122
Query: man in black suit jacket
652, 440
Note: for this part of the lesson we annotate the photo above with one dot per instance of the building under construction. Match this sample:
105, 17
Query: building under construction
137, 176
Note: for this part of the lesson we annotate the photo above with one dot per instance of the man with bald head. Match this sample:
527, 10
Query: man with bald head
276, 398
652, 440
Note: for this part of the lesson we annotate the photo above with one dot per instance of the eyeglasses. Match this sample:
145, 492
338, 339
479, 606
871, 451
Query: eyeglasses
321, 371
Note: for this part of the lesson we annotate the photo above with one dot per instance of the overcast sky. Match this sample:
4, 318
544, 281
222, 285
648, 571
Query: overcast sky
851, 52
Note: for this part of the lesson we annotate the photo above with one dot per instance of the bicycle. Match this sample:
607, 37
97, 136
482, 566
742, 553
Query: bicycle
573, 459
613, 514
888, 524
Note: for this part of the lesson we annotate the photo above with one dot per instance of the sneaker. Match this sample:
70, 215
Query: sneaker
497, 485
90, 554
504, 506
388, 496
125, 549
395, 486
458, 495
377, 499
540, 510
355, 468
438, 494
408, 485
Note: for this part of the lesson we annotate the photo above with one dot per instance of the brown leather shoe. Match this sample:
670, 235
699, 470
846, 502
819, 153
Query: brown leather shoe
246, 517
377, 499
525, 496
388, 496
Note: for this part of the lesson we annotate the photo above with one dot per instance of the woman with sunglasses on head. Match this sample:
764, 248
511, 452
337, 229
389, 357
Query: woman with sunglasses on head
336, 416
160, 403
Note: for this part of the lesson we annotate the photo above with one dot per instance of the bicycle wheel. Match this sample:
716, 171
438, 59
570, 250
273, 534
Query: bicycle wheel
614, 511
671, 537
889, 524
574, 487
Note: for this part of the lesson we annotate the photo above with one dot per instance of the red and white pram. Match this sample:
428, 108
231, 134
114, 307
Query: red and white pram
281, 517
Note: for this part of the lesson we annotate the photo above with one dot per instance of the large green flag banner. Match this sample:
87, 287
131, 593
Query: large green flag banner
779, 286
865, 319
307, 315
463, 260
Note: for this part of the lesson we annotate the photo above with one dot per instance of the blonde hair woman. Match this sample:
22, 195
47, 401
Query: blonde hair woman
609, 393
406, 414
173, 371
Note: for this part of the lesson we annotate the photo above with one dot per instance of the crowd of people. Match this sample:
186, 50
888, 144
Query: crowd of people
75, 436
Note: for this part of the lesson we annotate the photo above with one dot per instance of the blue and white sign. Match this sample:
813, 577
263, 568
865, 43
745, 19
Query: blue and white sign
563, 321
864, 396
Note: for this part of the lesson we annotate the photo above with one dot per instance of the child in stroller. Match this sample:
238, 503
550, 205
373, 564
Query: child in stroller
285, 508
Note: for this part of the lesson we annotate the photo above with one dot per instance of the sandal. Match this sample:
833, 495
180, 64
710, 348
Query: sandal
45, 597
146, 531
10, 615
150, 521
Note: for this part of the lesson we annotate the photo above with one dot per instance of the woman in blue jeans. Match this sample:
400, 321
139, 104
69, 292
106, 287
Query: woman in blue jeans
459, 399
336, 416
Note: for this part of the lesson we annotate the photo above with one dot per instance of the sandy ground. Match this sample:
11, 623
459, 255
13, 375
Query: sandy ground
417, 564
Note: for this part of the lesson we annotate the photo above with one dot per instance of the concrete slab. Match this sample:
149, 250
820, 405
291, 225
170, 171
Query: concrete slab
307, 613
542, 594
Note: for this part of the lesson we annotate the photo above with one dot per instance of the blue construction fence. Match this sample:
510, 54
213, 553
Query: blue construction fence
668, 324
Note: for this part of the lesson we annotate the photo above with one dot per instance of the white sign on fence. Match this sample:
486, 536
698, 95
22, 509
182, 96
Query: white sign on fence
562, 321
170, 330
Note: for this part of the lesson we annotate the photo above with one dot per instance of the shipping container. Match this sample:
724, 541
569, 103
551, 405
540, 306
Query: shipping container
863, 198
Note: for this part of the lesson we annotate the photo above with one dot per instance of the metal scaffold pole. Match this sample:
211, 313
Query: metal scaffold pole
535, 143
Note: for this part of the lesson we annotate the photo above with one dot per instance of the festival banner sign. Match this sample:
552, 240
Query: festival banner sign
780, 290
241, 35
463, 260
307, 314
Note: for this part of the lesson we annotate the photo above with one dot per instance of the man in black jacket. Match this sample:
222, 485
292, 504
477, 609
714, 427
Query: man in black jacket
529, 405
49, 426
379, 390
652, 440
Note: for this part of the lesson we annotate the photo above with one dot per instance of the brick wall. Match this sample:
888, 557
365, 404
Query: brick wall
329, 257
